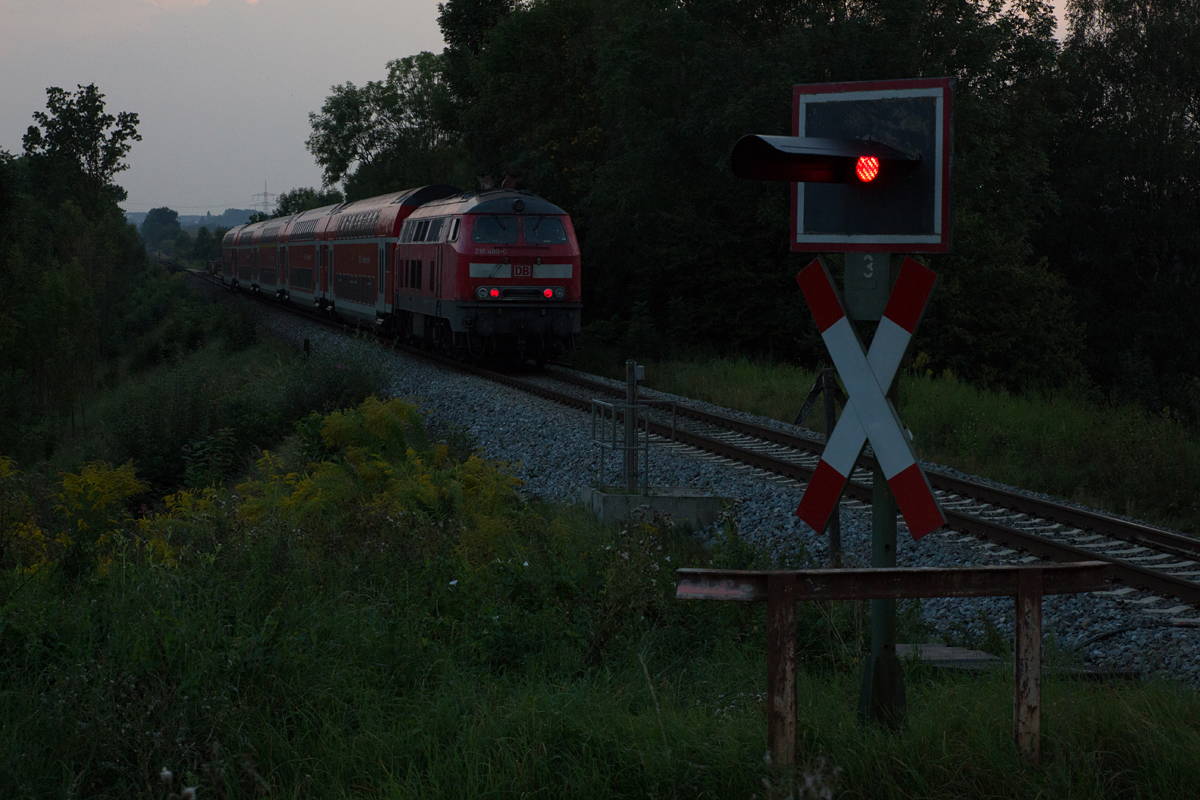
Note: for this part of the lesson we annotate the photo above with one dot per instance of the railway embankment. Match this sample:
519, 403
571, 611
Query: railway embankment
395, 596
550, 449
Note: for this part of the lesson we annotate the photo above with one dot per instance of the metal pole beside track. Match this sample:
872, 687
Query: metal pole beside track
631, 449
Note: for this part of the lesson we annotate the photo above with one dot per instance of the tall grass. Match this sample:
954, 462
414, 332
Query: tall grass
368, 616
200, 415
1115, 457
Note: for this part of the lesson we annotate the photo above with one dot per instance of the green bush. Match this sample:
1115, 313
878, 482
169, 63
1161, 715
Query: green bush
388, 620
198, 417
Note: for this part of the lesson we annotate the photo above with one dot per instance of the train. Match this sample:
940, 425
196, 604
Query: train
494, 272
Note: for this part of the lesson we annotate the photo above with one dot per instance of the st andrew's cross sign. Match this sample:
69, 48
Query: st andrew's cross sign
868, 414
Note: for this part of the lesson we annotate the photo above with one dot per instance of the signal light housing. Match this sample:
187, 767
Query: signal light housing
869, 163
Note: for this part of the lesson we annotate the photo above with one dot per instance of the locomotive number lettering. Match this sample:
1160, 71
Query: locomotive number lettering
522, 271
493, 251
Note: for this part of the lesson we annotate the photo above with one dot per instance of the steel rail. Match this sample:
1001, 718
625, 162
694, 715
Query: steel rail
1133, 532
1131, 574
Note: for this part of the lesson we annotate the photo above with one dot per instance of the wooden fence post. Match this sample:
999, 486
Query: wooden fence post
781, 669
1027, 699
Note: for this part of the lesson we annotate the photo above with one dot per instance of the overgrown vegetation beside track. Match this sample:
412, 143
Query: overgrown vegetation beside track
200, 416
1068, 443
373, 613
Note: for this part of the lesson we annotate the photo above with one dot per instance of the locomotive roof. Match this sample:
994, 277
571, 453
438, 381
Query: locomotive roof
492, 201
405, 197
422, 201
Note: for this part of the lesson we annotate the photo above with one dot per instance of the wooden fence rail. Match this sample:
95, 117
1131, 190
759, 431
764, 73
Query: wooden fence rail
782, 589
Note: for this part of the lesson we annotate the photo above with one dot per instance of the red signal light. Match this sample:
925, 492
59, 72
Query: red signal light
494, 292
548, 293
867, 168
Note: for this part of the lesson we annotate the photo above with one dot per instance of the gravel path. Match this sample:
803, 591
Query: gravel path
550, 450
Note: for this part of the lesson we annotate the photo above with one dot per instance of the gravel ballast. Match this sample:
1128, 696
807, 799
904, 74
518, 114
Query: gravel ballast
549, 448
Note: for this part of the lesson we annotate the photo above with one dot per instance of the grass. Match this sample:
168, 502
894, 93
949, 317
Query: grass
1115, 457
369, 614
202, 414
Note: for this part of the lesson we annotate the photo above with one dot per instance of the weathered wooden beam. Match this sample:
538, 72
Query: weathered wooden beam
890, 583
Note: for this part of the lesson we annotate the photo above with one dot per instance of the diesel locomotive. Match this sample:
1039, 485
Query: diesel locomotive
494, 272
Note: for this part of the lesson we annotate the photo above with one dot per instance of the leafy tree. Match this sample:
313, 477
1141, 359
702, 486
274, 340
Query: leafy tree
625, 113
387, 135
1127, 166
71, 263
464, 24
182, 246
76, 131
160, 225
207, 244
306, 199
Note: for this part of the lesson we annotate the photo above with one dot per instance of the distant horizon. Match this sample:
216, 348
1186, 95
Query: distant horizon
222, 88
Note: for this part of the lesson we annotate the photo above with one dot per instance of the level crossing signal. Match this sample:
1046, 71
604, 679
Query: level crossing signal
870, 163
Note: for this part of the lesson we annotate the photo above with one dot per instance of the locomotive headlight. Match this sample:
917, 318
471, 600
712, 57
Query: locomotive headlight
481, 293
560, 293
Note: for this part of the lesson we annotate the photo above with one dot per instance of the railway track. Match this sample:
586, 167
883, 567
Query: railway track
1164, 563
1142, 557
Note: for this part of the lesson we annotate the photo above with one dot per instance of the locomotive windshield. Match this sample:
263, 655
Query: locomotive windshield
545, 230
495, 229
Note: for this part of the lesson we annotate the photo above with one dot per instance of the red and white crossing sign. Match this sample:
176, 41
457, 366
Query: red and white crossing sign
868, 414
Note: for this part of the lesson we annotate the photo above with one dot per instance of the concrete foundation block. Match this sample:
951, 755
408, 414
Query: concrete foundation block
684, 505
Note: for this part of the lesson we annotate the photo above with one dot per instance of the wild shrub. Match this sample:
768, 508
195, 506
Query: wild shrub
196, 420
93, 509
23, 542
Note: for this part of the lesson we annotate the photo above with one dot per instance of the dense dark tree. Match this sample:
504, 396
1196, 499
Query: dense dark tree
207, 244
69, 260
625, 113
160, 225
387, 135
74, 130
464, 25
1127, 167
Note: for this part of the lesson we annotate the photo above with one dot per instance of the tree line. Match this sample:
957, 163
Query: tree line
1076, 166
68, 263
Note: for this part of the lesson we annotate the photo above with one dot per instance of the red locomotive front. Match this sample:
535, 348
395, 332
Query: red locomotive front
488, 272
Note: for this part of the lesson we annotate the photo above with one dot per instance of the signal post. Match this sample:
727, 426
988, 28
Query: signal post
869, 164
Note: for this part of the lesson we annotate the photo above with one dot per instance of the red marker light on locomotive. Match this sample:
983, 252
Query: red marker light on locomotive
548, 293
494, 292
867, 168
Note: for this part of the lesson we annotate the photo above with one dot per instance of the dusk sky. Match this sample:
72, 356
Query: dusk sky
223, 88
